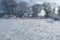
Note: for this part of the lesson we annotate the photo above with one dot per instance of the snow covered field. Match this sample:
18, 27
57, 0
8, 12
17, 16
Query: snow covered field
29, 29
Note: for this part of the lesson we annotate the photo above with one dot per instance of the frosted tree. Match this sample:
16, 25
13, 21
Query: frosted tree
9, 6
59, 11
36, 10
23, 9
47, 8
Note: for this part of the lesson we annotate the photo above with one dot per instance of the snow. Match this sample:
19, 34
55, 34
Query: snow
42, 13
56, 10
29, 29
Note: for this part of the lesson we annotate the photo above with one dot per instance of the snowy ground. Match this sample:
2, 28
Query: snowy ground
29, 29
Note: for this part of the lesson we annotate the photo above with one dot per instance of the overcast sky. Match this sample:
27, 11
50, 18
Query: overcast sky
40, 1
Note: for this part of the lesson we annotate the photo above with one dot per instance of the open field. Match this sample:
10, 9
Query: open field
29, 29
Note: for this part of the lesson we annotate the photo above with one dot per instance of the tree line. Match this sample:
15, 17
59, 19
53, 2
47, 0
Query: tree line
24, 10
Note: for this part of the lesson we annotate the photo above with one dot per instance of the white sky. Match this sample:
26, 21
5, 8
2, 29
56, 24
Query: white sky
40, 1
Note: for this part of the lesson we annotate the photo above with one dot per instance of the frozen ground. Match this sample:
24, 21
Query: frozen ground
29, 29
